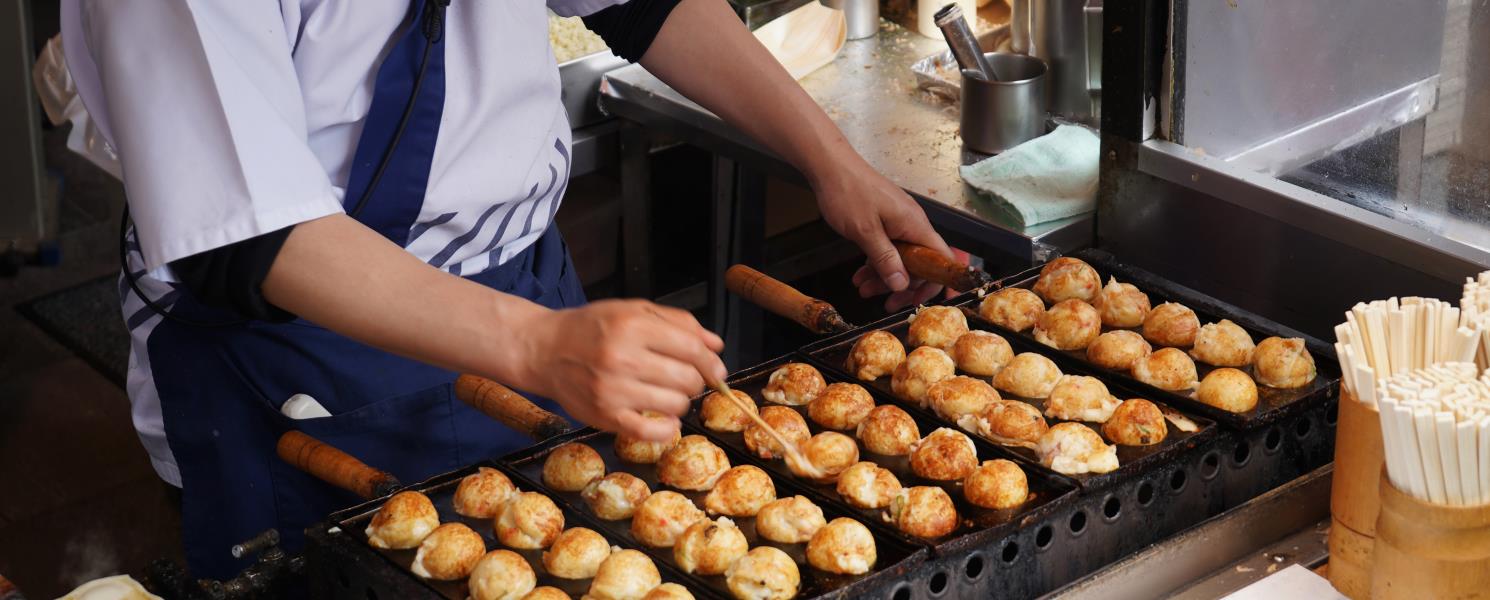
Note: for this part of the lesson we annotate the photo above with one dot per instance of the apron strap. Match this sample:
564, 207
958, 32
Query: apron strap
398, 197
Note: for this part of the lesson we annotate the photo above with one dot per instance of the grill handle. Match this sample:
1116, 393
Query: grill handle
928, 264
784, 300
509, 408
333, 466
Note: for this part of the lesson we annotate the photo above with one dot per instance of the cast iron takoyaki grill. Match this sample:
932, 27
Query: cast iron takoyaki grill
341, 564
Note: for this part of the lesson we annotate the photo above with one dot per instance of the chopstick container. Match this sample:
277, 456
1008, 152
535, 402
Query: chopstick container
1426, 550
999, 115
1355, 496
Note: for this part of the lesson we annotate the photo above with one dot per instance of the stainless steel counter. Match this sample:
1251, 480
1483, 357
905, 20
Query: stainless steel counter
907, 134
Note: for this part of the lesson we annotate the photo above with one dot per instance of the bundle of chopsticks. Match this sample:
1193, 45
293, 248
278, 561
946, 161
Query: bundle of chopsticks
1435, 431
1475, 312
1388, 337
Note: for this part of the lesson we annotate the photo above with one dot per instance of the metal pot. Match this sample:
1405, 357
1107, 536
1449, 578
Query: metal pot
1067, 35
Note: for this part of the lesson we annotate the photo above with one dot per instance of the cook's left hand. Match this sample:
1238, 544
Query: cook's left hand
863, 206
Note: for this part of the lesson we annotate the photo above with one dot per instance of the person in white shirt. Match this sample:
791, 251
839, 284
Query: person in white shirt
354, 199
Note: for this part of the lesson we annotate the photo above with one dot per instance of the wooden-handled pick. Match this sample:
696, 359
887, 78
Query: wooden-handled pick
773, 295
334, 466
509, 408
928, 264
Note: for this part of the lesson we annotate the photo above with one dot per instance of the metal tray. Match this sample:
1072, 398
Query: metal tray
352, 523
579, 86
1048, 490
896, 555
832, 355
1273, 404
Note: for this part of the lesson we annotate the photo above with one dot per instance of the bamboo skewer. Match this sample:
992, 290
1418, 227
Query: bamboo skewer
793, 454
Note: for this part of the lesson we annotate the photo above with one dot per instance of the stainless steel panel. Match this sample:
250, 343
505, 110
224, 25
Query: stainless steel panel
580, 91
21, 209
908, 135
1256, 70
1279, 528
1298, 258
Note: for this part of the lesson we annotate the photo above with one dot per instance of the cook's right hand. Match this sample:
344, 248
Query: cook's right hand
609, 361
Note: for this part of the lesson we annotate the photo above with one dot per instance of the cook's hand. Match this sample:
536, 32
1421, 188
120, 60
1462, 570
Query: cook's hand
863, 206
609, 361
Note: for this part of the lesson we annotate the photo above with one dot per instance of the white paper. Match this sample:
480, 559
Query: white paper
1292, 583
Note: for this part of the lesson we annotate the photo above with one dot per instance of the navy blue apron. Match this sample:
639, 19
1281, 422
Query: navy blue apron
221, 388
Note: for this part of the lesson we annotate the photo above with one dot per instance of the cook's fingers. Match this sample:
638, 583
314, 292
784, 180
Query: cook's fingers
685, 345
669, 373
883, 257
643, 396
685, 319
653, 428
911, 225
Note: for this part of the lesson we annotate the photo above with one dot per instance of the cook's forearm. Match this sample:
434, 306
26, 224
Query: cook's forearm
341, 275
708, 55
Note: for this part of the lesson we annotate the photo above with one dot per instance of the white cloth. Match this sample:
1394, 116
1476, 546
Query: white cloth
234, 118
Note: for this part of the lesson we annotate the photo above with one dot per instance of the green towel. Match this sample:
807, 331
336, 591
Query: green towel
1045, 179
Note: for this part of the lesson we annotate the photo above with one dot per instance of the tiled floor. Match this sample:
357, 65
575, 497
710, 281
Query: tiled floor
78, 499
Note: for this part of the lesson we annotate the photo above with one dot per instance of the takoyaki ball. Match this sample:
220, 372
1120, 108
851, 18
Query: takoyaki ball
1029, 375
501, 575
720, 414
448, 553
544, 592
786, 422
481, 493
669, 591
626, 575
1073, 449
1069, 325
996, 483
843, 546
924, 511
576, 554
662, 518
1171, 324
794, 384
958, 396
1167, 369
709, 547
403, 521
1121, 304
1009, 420
1283, 363
695, 464
1080, 398
1136, 422
1118, 350
1223, 344
875, 355
945, 455
1067, 278
981, 353
868, 485
528, 521
922, 367
830, 452
936, 326
741, 492
765, 573
1228, 389
615, 496
789, 520
888, 430
633, 450
569, 468
841, 406
1015, 309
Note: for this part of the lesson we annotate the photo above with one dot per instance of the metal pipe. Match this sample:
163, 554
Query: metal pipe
964, 44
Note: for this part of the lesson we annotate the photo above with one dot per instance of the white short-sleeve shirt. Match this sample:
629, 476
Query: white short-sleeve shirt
234, 118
